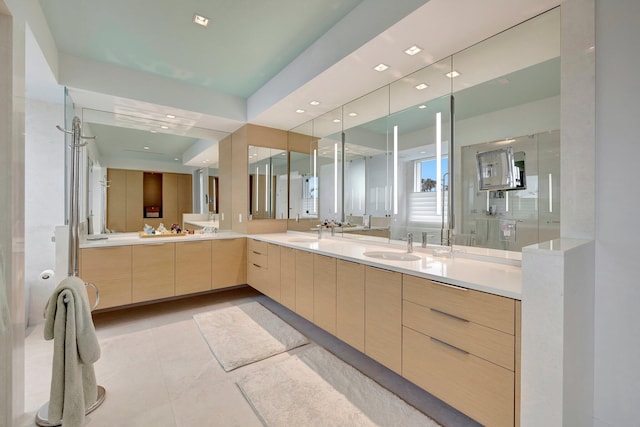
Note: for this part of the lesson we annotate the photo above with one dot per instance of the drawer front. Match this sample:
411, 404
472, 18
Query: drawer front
493, 311
257, 277
478, 388
257, 246
260, 259
489, 344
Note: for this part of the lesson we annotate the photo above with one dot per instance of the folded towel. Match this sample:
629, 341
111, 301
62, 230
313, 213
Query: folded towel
75, 349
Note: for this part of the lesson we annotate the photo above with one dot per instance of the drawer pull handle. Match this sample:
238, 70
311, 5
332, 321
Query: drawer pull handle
257, 253
256, 265
457, 288
444, 313
453, 347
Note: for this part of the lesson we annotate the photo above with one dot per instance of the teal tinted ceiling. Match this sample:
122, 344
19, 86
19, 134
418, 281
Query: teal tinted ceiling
246, 43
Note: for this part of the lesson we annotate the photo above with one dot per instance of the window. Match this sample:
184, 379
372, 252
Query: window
430, 197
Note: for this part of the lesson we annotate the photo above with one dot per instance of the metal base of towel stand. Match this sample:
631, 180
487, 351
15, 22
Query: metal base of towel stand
43, 413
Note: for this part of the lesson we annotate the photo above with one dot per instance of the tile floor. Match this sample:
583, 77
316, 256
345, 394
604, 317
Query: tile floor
158, 370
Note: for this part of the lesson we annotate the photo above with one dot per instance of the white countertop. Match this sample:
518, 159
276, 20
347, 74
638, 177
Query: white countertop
203, 224
120, 239
480, 270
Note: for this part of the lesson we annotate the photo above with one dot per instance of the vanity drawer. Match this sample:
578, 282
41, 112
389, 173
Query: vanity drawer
493, 311
256, 276
257, 253
478, 388
489, 344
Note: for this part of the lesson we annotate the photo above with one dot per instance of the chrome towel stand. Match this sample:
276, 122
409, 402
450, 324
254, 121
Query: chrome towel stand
74, 243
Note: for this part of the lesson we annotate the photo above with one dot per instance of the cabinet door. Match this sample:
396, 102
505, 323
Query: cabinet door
170, 200
288, 277
229, 263
383, 317
193, 267
185, 195
110, 270
135, 197
350, 303
117, 200
304, 284
153, 271
273, 272
324, 292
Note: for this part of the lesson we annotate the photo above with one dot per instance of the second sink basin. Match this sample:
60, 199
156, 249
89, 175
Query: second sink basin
392, 256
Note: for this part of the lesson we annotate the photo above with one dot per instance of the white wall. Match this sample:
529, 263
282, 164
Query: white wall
44, 199
617, 317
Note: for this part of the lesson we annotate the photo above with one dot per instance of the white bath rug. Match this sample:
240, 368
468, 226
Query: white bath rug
246, 333
315, 388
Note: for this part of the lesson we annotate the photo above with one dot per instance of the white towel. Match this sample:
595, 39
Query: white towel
75, 349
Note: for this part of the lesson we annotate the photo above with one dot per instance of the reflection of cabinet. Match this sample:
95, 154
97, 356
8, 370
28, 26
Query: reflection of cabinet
383, 317
229, 263
193, 267
126, 199
350, 303
110, 270
324, 292
153, 271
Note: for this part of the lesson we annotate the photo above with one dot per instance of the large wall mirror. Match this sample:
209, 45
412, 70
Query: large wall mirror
143, 170
397, 154
267, 183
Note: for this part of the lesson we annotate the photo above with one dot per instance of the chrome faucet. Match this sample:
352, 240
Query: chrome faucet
424, 239
333, 230
319, 231
409, 242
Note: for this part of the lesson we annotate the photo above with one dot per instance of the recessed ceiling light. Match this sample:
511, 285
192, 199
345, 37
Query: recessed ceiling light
423, 152
164, 127
200, 20
314, 103
422, 86
453, 74
381, 67
336, 120
170, 116
146, 148
299, 111
153, 131
176, 158
422, 107
412, 50
353, 114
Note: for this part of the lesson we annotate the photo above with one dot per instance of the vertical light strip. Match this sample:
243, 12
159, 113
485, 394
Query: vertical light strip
506, 201
395, 169
550, 193
439, 182
315, 181
257, 188
267, 184
335, 178
487, 201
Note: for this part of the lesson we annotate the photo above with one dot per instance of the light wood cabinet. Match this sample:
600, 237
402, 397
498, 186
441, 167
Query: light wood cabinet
185, 195
383, 317
110, 270
518, 366
324, 292
257, 265
193, 267
117, 200
228, 263
350, 303
170, 200
288, 277
153, 271
304, 284
273, 271
135, 209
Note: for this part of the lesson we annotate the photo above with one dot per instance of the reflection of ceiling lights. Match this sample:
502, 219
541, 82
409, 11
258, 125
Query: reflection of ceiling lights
200, 20
422, 107
336, 120
176, 158
380, 67
299, 111
164, 127
146, 148
422, 86
353, 114
153, 131
314, 103
453, 74
170, 116
412, 50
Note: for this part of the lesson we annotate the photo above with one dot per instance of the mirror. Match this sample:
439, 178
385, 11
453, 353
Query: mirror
303, 176
327, 131
267, 183
186, 156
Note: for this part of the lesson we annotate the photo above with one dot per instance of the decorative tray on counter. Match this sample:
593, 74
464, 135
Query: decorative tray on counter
145, 235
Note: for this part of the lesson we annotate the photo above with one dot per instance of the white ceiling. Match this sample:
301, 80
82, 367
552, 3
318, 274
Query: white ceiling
312, 65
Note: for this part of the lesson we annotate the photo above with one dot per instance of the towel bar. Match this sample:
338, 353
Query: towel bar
95, 288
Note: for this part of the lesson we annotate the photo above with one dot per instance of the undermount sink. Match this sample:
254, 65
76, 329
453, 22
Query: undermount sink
303, 240
392, 256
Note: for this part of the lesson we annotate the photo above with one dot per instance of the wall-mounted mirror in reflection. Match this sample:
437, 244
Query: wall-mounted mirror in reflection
327, 131
303, 174
267, 183
146, 171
